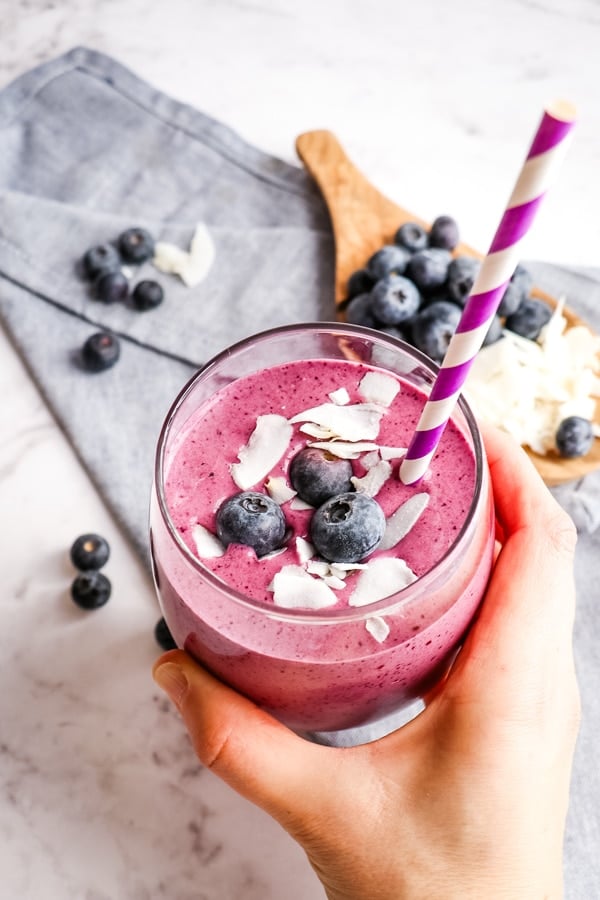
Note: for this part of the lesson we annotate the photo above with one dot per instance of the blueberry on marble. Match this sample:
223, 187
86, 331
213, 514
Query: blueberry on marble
360, 282
136, 245
111, 287
444, 233
429, 268
394, 299
317, 475
390, 260
91, 589
432, 328
347, 527
89, 551
574, 437
100, 351
516, 291
146, 295
99, 259
530, 318
462, 272
359, 311
253, 519
163, 636
411, 236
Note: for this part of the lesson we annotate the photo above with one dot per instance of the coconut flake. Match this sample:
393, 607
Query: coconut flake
382, 577
193, 266
378, 628
335, 583
208, 545
340, 397
294, 588
299, 504
344, 449
267, 444
371, 483
356, 422
392, 452
402, 520
318, 567
304, 549
279, 490
379, 388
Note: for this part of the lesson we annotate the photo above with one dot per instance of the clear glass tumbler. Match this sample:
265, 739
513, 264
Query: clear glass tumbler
313, 668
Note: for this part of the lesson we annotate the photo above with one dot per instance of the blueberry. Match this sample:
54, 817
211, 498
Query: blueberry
163, 636
136, 245
360, 282
359, 311
100, 351
99, 259
147, 295
462, 272
516, 291
429, 268
390, 260
530, 318
111, 287
89, 551
318, 475
90, 590
432, 328
253, 519
411, 236
347, 527
444, 233
574, 437
394, 299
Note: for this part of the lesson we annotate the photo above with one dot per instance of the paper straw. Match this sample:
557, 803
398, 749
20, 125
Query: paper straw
545, 155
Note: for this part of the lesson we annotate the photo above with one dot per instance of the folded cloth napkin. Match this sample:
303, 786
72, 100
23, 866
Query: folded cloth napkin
89, 150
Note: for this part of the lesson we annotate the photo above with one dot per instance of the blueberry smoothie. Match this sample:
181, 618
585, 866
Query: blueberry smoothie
289, 557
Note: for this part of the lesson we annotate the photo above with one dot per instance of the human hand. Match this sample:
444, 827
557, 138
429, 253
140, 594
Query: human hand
469, 799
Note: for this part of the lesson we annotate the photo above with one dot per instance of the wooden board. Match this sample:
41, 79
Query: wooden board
363, 219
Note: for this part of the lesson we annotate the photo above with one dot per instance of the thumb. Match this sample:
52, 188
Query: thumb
254, 753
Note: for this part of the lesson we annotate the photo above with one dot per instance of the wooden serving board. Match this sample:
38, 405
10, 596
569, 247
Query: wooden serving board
363, 219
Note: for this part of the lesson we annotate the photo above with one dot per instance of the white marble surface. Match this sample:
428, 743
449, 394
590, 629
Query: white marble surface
100, 795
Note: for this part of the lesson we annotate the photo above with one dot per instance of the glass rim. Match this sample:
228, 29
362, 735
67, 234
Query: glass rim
325, 615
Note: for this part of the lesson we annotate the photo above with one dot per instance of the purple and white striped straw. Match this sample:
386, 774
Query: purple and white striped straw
545, 156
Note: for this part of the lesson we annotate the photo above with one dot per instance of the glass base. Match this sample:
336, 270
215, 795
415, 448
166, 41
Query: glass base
364, 734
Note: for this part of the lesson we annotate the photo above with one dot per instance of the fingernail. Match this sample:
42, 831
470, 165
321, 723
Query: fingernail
172, 679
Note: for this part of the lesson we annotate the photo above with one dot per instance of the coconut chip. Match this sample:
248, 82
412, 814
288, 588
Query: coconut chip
371, 483
381, 578
279, 490
267, 444
304, 549
340, 397
400, 522
356, 422
208, 545
193, 266
378, 628
344, 449
294, 588
379, 388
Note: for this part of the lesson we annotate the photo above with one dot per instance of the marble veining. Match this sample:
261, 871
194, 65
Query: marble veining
101, 796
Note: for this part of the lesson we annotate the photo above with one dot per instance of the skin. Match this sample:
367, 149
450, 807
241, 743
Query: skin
469, 800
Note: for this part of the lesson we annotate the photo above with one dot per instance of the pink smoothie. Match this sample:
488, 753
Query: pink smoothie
323, 669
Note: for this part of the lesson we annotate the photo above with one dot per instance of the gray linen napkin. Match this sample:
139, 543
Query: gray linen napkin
88, 150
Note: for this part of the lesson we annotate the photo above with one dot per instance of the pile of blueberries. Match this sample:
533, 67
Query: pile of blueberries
346, 526
91, 589
102, 266
415, 289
